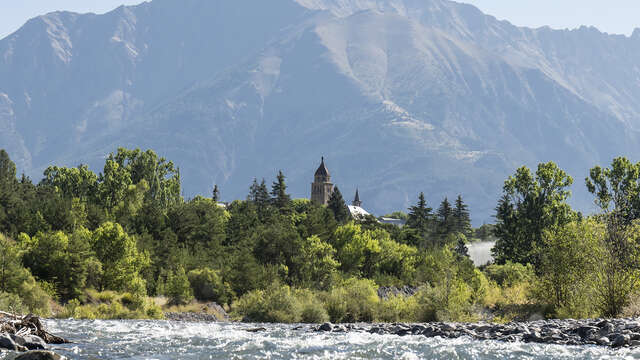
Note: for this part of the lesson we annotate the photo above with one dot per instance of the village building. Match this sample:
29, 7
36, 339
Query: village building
322, 187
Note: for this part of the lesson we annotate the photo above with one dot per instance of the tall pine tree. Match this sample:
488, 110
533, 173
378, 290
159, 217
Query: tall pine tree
259, 196
216, 194
338, 206
420, 217
462, 218
445, 218
280, 198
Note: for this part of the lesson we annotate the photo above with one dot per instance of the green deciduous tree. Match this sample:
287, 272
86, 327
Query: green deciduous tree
617, 193
118, 253
315, 265
161, 175
78, 182
530, 205
568, 266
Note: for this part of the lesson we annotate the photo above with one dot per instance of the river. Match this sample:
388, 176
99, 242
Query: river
480, 252
134, 339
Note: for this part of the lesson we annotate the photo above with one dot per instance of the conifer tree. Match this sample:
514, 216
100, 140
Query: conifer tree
338, 206
462, 218
445, 218
461, 248
258, 193
419, 217
279, 192
216, 194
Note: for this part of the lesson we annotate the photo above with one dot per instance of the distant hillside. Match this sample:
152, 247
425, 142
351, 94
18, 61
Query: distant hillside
400, 96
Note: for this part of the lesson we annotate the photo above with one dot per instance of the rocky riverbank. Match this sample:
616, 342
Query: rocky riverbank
605, 332
26, 335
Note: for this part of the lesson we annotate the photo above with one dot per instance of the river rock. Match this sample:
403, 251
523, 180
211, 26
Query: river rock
610, 332
40, 355
6, 342
620, 340
31, 342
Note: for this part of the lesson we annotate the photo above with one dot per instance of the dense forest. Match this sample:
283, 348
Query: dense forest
125, 244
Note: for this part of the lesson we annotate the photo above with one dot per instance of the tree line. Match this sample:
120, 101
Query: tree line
75, 236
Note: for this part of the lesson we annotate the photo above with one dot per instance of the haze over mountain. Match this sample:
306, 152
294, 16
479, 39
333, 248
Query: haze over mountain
400, 96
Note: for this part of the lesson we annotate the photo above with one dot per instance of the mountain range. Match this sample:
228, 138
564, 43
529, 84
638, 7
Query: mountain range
399, 96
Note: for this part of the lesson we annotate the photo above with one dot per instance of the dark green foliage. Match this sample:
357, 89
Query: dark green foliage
178, 289
420, 220
461, 247
445, 221
462, 218
215, 196
280, 198
529, 206
207, 285
617, 194
338, 206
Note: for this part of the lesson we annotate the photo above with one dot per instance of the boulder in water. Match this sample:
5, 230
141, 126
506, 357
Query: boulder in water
6, 342
40, 355
31, 342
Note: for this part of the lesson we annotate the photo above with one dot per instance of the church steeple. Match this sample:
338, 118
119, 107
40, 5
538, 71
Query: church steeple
322, 174
356, 200
321, 188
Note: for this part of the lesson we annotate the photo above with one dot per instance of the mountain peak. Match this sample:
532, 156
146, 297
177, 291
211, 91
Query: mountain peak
233, 89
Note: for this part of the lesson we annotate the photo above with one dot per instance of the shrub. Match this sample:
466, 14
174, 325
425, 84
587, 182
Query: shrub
109, 305
207, 285
312, 310
450, 301
510, 274
397, 308
133, 302
178, 288
11, 303
34, 298
277, 304
355, 300
335, 304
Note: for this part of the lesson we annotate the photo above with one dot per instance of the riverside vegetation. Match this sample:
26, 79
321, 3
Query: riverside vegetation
86, 245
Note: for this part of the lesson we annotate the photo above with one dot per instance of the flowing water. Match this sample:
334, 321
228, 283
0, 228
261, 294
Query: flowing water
101, 339
480, 252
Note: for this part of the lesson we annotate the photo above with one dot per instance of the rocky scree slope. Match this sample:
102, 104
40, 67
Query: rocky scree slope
400, 96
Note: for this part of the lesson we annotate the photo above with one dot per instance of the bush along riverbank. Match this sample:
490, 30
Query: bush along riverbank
27, 335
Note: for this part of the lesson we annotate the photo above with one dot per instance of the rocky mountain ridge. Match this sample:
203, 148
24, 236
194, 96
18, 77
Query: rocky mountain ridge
400, 96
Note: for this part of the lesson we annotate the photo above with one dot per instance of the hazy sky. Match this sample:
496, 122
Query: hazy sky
613, 16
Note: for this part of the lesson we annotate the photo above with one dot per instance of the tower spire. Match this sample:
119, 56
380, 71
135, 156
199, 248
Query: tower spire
356, 200
321, 188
